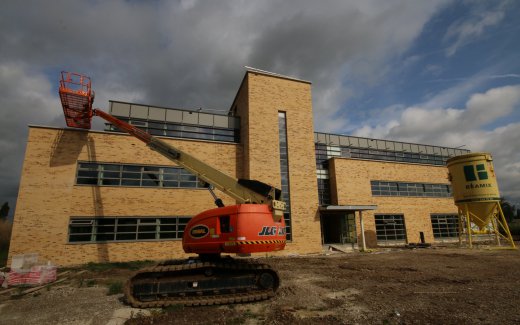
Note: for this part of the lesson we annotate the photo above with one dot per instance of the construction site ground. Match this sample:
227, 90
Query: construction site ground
386, 286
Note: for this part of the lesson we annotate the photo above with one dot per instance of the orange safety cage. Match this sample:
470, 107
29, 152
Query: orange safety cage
76, 99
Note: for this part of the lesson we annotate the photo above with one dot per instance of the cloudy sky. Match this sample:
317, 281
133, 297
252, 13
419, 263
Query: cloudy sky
437, 72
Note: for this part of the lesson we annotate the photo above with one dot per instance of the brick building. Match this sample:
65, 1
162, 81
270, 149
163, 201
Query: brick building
95, 196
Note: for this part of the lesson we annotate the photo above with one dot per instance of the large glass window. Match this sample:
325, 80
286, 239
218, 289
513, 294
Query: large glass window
390, 228
385, 188
178, 123
284, 171
324, 191
329, 145
135, 175
92, 230
175, 130
445, 225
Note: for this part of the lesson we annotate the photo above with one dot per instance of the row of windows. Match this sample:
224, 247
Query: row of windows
391, 227
336, 140
324, 152
135, 175
88, 230
384, 188
182, 131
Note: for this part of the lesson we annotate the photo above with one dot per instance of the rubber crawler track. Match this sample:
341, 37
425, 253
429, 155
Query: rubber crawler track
219, 299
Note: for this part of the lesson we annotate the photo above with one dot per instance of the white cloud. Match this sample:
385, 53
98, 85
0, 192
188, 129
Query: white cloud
466, 126
25, 97
495, 103
467, 30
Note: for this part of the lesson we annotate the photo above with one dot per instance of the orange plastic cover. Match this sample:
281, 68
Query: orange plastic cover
76, 99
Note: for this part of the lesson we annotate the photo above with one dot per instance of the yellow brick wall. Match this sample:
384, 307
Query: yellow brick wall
266, 96
350, 185
48, 197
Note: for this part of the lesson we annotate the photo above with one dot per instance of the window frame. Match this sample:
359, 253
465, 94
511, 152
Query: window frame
451, 220
410, 189
121, 226
133, 175
388, 240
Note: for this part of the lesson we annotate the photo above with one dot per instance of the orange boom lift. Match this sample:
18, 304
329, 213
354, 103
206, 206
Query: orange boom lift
254, 225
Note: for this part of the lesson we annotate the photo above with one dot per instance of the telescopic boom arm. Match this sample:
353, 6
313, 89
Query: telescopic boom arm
77, 99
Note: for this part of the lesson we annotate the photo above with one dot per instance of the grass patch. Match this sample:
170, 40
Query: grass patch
134, 265
173, 308
115, 288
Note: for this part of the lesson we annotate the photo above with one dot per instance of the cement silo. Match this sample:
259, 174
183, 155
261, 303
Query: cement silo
476, 194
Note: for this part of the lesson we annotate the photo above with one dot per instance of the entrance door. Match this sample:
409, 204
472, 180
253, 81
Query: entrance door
338, 228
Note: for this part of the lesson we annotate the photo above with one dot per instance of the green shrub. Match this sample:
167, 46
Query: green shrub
5, 237
514, 228
115, 288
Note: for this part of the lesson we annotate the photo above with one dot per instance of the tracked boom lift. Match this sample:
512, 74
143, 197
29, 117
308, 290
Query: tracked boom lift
253, 225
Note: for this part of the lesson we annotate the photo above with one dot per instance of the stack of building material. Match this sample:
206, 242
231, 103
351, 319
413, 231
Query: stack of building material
26, 270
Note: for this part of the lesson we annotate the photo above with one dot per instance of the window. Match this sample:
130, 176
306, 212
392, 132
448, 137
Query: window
135, 175
445, 225
94, 230
284, 172
225, 225
385, 188
179, 130
324, 191
390, 228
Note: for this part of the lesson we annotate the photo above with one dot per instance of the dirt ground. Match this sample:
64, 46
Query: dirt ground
398, 286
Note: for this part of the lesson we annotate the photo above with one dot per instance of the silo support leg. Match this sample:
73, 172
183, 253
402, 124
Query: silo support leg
468, 226
505, 226
460, 227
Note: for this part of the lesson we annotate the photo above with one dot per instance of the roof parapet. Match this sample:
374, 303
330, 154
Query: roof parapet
273, 74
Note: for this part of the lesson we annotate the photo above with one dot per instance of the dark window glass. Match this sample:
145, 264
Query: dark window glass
146, 235
126, 182
86, 181
87, 173
121, 236
79, 238
130, 168
111, 167
112, 182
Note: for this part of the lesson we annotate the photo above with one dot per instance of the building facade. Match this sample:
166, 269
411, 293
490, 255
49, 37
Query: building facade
98, 196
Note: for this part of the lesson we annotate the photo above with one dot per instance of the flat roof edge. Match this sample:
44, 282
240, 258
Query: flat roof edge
273, 74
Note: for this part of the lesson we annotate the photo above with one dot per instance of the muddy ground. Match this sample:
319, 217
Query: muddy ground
398, 286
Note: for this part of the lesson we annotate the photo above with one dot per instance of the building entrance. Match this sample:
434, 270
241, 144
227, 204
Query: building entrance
338, 228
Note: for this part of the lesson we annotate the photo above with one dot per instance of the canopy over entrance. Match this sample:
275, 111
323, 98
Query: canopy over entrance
338, 223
